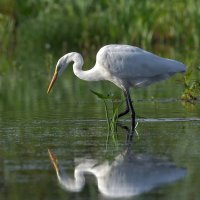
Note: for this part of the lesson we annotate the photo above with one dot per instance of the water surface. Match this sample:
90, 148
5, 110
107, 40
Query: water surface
71, 122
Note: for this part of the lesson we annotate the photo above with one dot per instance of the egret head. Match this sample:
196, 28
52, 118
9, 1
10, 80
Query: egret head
60, 67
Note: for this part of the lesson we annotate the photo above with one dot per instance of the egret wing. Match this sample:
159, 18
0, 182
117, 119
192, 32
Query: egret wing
137, 66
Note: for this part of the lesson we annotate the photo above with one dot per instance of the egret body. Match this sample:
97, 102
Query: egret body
124, 65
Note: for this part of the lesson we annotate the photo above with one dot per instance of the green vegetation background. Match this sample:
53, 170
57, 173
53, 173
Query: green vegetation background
35, 33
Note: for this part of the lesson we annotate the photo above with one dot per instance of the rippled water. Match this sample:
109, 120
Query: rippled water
71, 122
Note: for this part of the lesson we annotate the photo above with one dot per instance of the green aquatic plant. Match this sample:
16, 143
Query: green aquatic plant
116, 103
192, 88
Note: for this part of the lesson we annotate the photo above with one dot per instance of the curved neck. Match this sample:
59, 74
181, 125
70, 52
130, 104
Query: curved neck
74, 185
88, 75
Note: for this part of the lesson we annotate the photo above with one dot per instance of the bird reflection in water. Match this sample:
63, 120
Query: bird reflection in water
127, 175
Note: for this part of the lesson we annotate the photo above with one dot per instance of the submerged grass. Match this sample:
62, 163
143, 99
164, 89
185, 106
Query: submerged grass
112, 119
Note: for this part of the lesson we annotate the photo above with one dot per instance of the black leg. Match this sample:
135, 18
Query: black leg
129, 134
132, 109
127, 107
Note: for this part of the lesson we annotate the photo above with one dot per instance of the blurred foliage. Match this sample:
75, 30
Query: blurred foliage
35, 33
61, 25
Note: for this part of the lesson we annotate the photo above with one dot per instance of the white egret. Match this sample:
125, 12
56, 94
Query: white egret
124, 65
127, 175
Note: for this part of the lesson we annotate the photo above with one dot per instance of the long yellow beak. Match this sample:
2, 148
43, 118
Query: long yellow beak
54, 162
53, 80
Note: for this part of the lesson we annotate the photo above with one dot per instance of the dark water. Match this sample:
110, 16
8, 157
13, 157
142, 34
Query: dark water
71, 122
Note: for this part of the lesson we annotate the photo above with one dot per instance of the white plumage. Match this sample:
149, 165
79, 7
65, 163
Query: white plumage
131, 66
